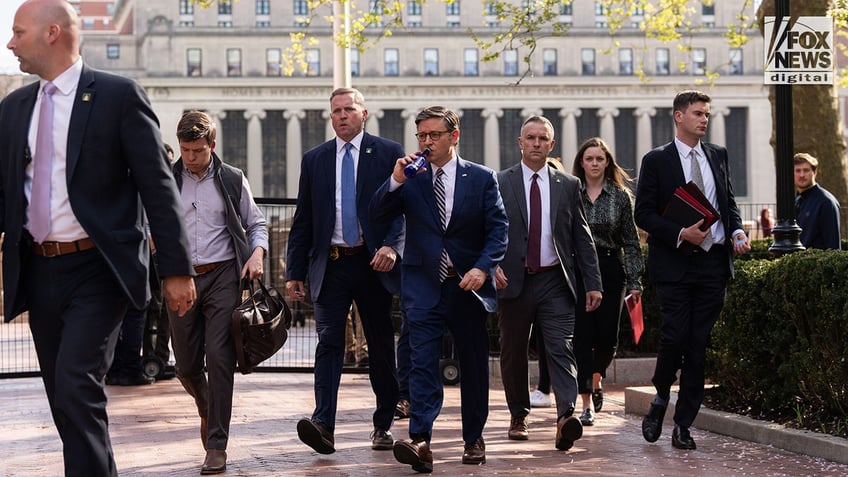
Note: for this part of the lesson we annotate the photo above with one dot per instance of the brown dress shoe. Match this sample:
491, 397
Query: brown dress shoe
316, 436
415, 453
402, 409
518, 428
569, 429
215, 462
475, 453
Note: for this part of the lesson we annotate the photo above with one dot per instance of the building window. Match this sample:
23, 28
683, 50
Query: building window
413, 7
735, 60
263, 23
699, 61
600, 9
565, 9
194, 62
490, 8
233, 62
431, 62
663, 62
313, 62
510, 58
87, 23
452, 9
471, 62
375, 7
225, 7
113, 51
708, 10
354, 62
625, 61
549, 62
263, 7
587, 60
273, 60
301, 13
186, 7
391, 62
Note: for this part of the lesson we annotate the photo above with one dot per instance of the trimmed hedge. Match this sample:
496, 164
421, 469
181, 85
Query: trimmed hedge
782, 341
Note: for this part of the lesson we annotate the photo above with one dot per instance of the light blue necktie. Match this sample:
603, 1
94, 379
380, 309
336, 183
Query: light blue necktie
39, 212
350, 226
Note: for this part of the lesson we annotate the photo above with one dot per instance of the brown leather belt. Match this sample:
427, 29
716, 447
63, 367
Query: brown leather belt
541, 269
337, 251
206, 268
55, 249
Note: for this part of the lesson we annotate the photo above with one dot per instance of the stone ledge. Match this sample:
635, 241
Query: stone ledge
638, 399
628, 371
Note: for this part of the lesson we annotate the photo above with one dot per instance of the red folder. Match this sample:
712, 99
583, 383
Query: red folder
688, 205
634, 308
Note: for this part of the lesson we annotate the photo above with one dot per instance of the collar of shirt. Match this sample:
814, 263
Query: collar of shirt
684, 150
206, 173
450, 171
66, 83
356, 141
527, 173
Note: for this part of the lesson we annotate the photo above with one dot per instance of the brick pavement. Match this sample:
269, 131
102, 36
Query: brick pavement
154, 432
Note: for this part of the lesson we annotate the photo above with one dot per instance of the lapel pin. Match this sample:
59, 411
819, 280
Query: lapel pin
367, 150
86, 97
465, 175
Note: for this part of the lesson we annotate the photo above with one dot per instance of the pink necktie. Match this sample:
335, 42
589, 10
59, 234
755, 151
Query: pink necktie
39, 210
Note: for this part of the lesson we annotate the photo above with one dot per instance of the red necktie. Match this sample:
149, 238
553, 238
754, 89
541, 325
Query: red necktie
534, 245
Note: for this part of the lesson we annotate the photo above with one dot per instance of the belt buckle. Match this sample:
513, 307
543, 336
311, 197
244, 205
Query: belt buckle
48, 251
334, 253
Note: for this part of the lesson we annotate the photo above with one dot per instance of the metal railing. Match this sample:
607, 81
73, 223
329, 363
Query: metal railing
17, 354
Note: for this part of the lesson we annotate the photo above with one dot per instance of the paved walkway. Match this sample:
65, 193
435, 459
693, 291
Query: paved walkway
155, 433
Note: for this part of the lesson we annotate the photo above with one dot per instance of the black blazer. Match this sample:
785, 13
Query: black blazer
659, 175
115, 156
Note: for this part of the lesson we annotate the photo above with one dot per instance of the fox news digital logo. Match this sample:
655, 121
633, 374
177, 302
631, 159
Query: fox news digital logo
799, 51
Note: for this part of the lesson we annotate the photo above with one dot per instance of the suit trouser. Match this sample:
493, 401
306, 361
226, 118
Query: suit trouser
596, 332
545, 300
689, 310
403, 358
204, 332
76, 307
347, 279
463, 314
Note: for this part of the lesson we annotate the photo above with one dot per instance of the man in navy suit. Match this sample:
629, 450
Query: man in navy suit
449, 266
75, 253
690, 284
345, 257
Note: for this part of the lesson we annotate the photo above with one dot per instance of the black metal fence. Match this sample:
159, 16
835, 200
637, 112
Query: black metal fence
17, 355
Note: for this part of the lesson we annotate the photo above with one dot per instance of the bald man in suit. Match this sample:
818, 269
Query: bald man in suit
79, 149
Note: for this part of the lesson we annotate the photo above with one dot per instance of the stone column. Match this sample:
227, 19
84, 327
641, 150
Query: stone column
294, 149
218, 116
255, 171
568, 141
329, 132
643, 134
718, 134
608, 116
410, 144
491, 138
372, 122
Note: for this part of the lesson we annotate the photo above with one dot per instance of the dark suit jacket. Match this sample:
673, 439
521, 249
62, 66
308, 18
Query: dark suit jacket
314, 218
115, 155
476, 236
660, 174
572, 237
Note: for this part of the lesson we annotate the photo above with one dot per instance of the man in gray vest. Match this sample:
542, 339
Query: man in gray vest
228, 238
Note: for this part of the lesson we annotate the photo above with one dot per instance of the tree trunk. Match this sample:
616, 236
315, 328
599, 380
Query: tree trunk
816, 124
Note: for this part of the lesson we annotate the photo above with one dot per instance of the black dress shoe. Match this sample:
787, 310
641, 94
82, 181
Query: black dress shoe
598, 399
682, 439
652, 423
316, 436
381, 439
475, 454
569, 429
215, 462
415, 453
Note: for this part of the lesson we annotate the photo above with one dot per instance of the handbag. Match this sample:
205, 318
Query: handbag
259, 326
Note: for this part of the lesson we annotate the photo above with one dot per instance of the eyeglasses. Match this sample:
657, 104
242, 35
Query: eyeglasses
434, 135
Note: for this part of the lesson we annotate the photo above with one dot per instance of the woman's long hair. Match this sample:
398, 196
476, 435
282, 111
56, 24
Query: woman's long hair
612, 173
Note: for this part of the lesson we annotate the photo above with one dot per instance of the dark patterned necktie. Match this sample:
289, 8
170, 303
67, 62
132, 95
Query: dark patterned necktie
698, 179
439, 194
534, 245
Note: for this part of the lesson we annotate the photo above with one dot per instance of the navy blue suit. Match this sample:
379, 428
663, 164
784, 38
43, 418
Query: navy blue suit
115, 156
690, 287
334, 284
476, 237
